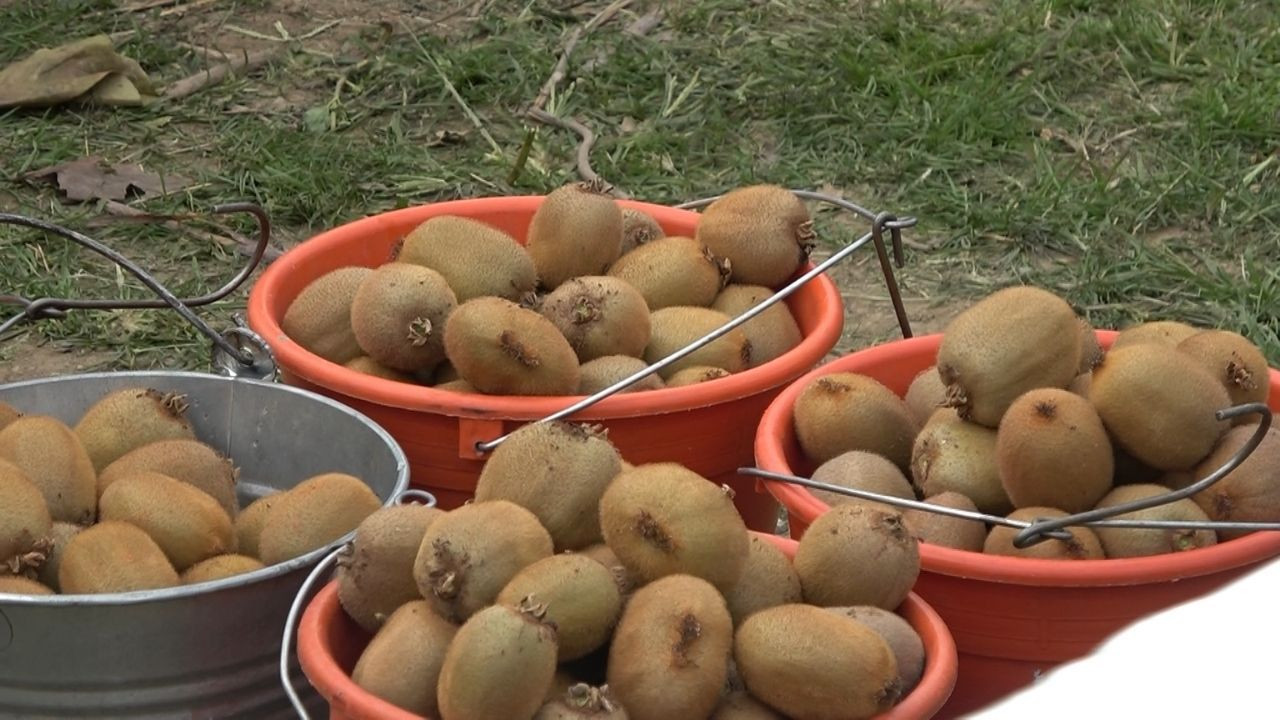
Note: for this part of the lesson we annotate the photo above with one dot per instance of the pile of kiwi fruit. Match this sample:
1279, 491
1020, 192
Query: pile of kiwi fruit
129, 499
1025, 416
575, 585
597, 293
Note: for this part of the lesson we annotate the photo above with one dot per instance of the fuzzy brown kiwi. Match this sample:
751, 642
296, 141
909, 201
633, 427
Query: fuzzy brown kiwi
861, 470
772, 333
1053, 451
127, 419
663, 519
953, 532
1083, 545
1139, 542
1158, 404
398, 316
741, 705
603, 372
764, 230
219, 567
638, 228
857, 555
673, 328
582, 600
672, 271
1237, 363
847, 411
670, 653
955, 455
601, 553
768, 579
59, 535
808, 662
504, 349
458, 386
499, 664
1080, 385
1249, 493
599, 316
903, 640
1160, 332
475, 258
558, 471
8, 414
187, 524
402, 663
318, 511
22, 585
576, 230
190, 461
1014, 340
369, 366
696, 374
1091, 352
925, 394
250, 521
112, 557
319, 318
581, 701
25, 524
472, 552
51, 456
376, 576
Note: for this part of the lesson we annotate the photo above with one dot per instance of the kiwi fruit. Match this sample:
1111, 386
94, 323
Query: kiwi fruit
861, 470
317, 512
672, 271
581, 597
664, 519
368, 366
601, 553
1132, 471
576, 230
8, 414
581, 701
504, 349
903, 640
250, 521
499, 664
955, 455
51, 456
113, 557
674, 328
1249, 493
402, 663
475, 258
1159, 404
319, 318
190, 461
1053, 451
808, 662
444, 372
1139, 542
846, 411
127, 419
376, 575
25, 524
1160, 332
763, 230
670, 652
59, 535
458, 386
767, 580
599, 316
1237, 363
558, 471
638, 228
1080, 385
560, 684
945, 530
925, 394
219, 567
187, 524
471, 552
696, 374
772, 333
602, 372
1083, 544
740, 705
22, 585
398, 316
857, 555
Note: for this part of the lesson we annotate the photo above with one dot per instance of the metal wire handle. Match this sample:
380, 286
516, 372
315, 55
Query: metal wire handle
1041, 529
879, 223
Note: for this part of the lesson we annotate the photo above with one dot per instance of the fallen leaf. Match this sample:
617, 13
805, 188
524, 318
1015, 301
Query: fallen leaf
88, 70
91, 178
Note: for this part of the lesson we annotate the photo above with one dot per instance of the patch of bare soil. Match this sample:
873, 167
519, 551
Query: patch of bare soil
27, 358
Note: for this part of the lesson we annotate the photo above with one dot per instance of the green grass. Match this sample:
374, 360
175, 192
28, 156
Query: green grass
1123, 154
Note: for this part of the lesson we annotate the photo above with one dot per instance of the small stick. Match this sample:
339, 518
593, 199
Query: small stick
584, 147
242, 244
184, 9
243, 62
144, 6
562, 64
466, 109
645, 23
204, 51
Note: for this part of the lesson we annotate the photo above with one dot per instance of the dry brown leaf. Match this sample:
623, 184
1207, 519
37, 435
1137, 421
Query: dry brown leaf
91, 178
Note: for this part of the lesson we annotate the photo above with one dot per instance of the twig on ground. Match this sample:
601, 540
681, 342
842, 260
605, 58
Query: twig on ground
645, 23
444, 78
203, 51
242, 62
243, 245
184, 9
147, 5
562, 64
584, 147
284, 35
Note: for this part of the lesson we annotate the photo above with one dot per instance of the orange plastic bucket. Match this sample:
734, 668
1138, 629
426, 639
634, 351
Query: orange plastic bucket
709, 427
1012, 618
330, 643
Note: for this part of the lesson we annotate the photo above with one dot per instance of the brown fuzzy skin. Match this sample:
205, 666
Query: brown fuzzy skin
458, 386
670, 652
1091, 352
315, 513
21, 585
671, 271
599, 316
398, 316
603, 372
903, 640
499, 664
861, 470
369, 366
768, 579
953, 455
402, 662
190, 461
811, 663
187, 524
772, 333
1160, 332
601, 553
51, 456
1251, 492
953, 532
114, 557
59, 535
475, 258
765, 232
558, 471
696, 374
1080, 385
925, 394
319, 319
1053, 451
219, 567
1136, 542
25, 525
1158, 404
847, 411
504, 349
1083, 545
740, 705
1237, 363
673, 328
128, 419
8, 414
857, 555
251, 520
663, 519
582, 600
580, 701
638, 228
376, 576
577, 230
